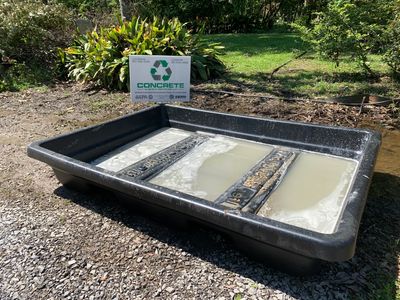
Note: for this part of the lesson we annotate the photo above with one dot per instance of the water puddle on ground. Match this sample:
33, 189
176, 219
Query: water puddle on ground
389, 154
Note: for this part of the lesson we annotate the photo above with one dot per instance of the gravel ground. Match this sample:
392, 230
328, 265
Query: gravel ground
56, 243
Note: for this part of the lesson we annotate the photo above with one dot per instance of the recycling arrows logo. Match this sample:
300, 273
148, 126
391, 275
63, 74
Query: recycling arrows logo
158, 64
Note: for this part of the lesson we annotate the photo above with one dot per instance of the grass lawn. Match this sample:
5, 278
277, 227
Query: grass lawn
252, 57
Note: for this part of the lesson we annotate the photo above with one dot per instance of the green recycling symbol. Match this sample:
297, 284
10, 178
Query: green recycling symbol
155, 68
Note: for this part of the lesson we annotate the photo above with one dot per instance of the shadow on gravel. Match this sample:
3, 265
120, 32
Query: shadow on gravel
372, 273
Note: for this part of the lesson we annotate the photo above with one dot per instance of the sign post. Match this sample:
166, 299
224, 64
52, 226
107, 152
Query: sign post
159, 78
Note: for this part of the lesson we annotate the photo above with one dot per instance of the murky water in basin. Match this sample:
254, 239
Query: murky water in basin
213, 167
312, 193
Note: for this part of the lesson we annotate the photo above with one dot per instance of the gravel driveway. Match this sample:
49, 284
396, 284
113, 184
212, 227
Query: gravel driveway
56, 243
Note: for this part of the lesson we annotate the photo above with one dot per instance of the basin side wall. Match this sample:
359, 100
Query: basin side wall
339, 141
287, 261
92, 142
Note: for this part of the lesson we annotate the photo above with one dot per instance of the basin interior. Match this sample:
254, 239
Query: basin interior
302, 188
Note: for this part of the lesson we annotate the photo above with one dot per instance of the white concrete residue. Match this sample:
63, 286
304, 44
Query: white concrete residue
137, 150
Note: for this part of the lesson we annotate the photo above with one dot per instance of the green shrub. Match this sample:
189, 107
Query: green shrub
102, 56
31, 30
19, 76
392, 53
220, 16
84, 7
351, 27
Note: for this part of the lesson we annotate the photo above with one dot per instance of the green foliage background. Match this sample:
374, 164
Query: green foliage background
102, 56
357, 28
31, 30
392, 49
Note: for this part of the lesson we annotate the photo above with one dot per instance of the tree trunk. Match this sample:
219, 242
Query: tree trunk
124, 9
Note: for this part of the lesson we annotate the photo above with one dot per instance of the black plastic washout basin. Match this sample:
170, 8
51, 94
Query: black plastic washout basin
288, 247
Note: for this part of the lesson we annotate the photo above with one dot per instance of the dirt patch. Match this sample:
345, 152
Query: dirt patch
376, 117
57, 243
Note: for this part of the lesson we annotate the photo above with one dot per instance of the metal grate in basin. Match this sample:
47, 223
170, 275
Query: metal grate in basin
156, 163
252, 190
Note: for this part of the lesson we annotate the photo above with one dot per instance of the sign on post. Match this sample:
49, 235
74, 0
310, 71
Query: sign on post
159, 78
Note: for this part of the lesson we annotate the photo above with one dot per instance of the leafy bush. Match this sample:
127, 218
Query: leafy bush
102, 56
351, 27
18, 76
98, 12
84, 7
392, 53
31, 30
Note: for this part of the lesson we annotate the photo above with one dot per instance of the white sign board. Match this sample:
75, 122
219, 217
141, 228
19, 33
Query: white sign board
159, 78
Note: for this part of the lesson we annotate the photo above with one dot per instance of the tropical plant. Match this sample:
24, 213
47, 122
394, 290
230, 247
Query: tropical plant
102, 56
